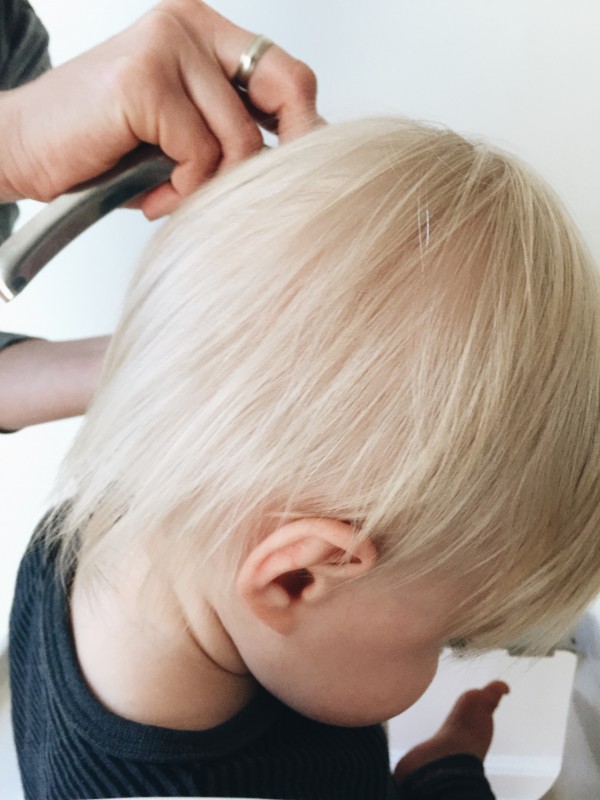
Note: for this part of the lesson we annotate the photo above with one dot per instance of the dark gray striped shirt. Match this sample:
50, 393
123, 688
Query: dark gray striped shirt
69, 746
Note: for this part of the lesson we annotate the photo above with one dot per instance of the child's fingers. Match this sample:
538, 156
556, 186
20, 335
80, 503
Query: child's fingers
477, 702
493, 693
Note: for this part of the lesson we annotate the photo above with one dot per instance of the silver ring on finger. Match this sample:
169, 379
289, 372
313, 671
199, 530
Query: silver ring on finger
249, 58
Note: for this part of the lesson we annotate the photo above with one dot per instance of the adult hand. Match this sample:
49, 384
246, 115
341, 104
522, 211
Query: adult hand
165, 80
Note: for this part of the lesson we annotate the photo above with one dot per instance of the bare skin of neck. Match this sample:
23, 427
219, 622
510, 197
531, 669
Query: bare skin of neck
153, 657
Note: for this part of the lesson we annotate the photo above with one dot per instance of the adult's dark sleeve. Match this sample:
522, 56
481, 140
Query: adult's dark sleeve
23, 44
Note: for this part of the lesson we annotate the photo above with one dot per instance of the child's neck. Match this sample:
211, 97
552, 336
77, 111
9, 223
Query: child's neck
146, 660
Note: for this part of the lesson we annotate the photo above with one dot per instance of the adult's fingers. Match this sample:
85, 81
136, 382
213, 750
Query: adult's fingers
183, 136
196, 116
223, 111
281, 87
286, 89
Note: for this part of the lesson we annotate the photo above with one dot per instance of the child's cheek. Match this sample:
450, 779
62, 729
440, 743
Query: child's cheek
375, 692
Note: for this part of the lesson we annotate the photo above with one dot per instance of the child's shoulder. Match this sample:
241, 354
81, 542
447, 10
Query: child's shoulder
83, 749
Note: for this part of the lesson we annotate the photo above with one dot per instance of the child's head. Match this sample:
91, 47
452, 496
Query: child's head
383, 326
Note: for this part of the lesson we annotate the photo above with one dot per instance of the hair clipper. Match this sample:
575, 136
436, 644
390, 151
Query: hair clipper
28, 250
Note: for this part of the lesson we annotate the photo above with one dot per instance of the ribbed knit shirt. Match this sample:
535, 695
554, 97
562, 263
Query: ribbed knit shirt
70, 746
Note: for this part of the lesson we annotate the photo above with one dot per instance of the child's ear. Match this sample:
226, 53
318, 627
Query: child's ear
299, 564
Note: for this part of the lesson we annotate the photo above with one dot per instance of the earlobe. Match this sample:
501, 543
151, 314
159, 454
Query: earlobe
298, 565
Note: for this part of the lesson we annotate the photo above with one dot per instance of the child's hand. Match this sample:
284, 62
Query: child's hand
467, 729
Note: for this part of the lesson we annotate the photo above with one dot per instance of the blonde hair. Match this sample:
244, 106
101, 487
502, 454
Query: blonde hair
381, 322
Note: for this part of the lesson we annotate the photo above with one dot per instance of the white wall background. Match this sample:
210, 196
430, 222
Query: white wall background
525, 73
